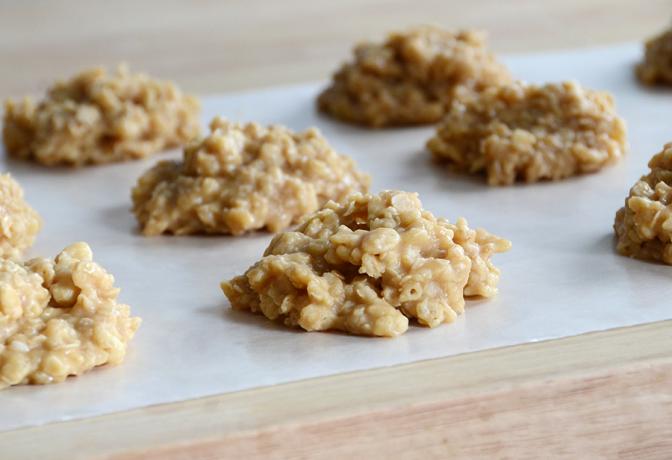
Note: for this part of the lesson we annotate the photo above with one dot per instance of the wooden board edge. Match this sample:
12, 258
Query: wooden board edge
569, 396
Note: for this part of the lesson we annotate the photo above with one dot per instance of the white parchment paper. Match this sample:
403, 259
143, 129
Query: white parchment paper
561, 278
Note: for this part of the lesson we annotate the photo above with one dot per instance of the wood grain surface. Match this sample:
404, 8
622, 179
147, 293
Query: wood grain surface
602, 395
213, 46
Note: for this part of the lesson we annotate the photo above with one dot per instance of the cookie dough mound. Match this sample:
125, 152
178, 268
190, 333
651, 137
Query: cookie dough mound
411, 78
524, 132
59, 318
98, 117
242, 178
368, 265
644, 225
657, 65
19, 223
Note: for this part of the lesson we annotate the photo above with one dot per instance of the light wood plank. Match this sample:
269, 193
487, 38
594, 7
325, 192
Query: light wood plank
599, 395
214, 46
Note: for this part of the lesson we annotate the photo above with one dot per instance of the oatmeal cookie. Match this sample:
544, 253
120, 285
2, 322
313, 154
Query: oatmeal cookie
411, 78
530, 133
242, 178
367, 266
59, 317
644, 225
19, 223
98, 117
657, 65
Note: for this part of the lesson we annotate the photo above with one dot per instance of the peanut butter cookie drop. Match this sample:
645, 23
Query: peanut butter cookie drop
19, 223
242, 178
59, 317
368, 265
644, 225
411, 78
97, 117
524, 132
657, 65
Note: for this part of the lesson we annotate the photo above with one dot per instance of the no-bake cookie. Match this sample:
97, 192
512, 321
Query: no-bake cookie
368, 265
244, 177
657, 65
525, 132
411, 78
19, 223
644, 225
99, 117
59, 317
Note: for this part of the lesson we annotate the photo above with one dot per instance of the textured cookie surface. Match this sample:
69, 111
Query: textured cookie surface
242, 178
99, 117
411, 78
644, 225
367, 266
524, 132
656, 68
19, 223
59, 317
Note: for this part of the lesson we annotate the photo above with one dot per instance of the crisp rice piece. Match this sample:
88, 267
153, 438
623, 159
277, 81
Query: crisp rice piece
657, 65
59, 317
367, 266
525, 132
411, 78
19, 223
242, 178
644, 225
97, 117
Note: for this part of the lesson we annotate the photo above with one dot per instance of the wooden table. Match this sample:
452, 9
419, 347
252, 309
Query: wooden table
600, 395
